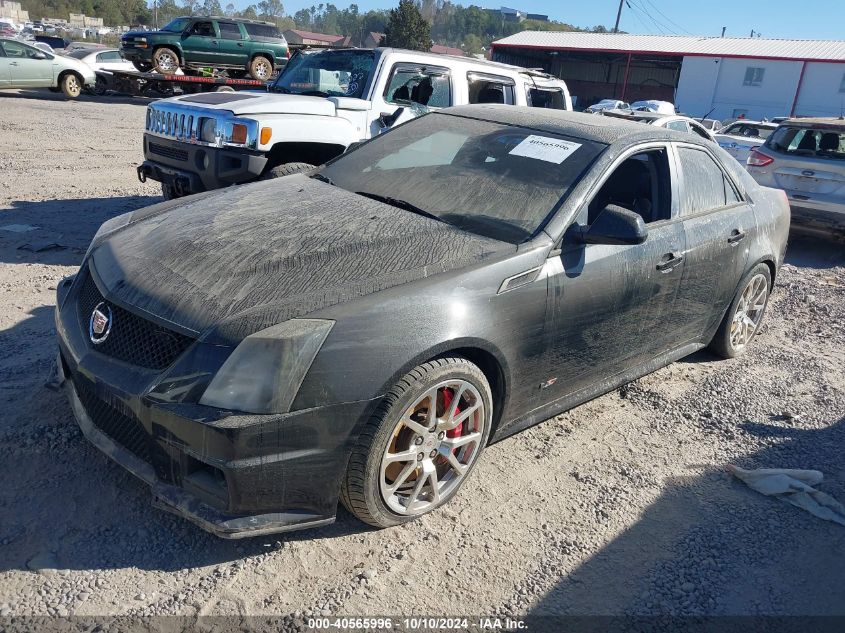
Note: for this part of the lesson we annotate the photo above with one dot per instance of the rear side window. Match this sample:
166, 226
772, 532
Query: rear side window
110, 56
705, 185
808, 142
263, 31
490, 89
552, 98
229, 31
680, 126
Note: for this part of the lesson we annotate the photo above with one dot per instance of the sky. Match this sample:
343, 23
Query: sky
807, 19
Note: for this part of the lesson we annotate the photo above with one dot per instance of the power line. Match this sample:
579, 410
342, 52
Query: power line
667, 18
639, 9
637, 16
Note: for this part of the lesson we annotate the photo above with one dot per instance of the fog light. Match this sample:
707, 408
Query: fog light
239, 134
266, 133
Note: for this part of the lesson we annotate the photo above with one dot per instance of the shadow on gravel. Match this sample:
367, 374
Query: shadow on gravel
814, 252
711, 546
69, 223
46, 95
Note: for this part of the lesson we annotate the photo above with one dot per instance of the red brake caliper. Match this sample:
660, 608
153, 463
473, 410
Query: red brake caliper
448, 395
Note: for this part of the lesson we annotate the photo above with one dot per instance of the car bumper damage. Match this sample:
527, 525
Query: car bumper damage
233, 475
196, 168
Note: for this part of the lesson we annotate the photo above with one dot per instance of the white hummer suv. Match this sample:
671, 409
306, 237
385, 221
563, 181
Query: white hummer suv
321, 103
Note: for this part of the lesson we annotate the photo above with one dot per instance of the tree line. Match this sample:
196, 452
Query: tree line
470, 27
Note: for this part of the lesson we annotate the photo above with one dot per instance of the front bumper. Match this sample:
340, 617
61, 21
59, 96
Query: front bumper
196, 168
233, 475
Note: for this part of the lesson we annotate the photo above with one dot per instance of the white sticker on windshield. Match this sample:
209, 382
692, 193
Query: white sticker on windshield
551, 150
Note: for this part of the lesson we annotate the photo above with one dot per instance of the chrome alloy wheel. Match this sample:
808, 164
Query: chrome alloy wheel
432, 448
749, 311
167, 62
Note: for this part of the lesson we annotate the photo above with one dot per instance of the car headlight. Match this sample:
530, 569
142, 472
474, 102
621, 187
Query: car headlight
267, 368
208, 130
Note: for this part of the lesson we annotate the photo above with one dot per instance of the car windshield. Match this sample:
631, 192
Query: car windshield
342, 73
176, 26
487, 178
799, 141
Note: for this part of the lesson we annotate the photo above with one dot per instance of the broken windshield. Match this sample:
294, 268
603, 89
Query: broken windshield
339, 73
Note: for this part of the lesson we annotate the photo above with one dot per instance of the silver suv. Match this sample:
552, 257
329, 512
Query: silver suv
806, 158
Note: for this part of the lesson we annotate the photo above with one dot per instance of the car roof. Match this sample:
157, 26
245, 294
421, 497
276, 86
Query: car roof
829, 122
471, 60
638, 115
589, 127
223, 17
749, 122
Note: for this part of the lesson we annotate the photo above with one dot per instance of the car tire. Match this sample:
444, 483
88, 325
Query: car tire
365, 489
260, 68
142, 67
745, 315
165, 61
100, 86
71, 85
286, 169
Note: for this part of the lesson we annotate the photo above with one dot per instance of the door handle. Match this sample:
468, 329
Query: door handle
241, 44
13, 63
737, 235
668, 262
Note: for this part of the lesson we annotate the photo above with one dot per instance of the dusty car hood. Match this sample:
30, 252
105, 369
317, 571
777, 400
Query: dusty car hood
271, 251
241, 103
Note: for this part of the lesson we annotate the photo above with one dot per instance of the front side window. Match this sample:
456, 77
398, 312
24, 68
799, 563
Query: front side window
705, 185
546, 98
16, 49
203, 29
753, 76
640, 184
487, 178
489, 89
427, 86
327, 73
229, 31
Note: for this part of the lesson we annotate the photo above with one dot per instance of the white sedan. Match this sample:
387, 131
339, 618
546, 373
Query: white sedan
739, 138
102, 59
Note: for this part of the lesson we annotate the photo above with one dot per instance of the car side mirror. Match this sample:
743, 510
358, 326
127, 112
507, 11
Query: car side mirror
386, 119
39, 56
615, 225
353, 146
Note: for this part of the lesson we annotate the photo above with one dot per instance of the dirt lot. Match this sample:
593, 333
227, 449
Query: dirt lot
621, 506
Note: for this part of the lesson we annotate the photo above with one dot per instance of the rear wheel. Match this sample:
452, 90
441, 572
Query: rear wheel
165, 60
421, 444
100, 86
745, 314
143, 67
280, 171
71, 85
260, 68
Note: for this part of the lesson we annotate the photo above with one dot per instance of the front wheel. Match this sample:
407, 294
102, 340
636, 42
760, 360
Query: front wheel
745, 314
165, 61
286, 169
421, 444
71, 85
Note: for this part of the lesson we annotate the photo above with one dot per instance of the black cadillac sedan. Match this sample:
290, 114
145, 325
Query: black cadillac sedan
360, 333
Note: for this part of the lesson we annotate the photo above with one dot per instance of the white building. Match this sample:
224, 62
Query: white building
724, 76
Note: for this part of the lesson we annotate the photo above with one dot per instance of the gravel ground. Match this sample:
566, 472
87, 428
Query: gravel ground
621, 506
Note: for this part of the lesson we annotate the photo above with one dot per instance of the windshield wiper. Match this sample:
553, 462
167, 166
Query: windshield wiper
282, 89
323, 178
402, 204
314, 93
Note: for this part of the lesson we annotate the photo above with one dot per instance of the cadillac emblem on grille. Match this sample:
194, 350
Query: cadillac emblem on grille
99, 326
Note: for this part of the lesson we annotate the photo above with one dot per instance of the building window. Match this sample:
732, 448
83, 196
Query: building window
842, 84
753, 76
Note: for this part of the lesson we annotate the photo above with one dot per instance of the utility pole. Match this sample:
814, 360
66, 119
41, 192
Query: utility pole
618, 16
724, 28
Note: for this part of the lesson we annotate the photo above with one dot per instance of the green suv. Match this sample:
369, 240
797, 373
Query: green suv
238, 46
